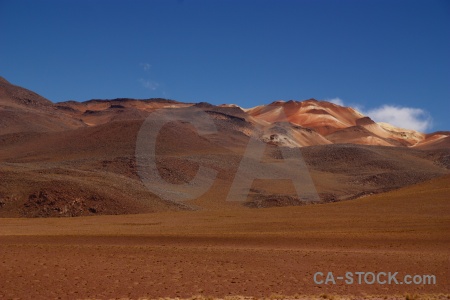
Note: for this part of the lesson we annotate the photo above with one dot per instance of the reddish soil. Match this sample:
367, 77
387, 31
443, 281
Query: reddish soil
77, 222
243, 252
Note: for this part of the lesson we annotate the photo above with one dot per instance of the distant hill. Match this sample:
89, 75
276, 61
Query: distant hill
22, 110
78, 158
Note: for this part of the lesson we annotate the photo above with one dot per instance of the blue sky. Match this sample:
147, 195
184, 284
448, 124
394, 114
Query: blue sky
388, 58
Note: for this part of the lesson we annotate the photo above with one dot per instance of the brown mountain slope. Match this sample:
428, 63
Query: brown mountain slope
339, 124
322, 116
436, 140
71, 159
96, 166
22, 110
12, 95
96, 112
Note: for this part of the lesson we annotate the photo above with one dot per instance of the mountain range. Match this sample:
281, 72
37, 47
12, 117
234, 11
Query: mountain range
78, 158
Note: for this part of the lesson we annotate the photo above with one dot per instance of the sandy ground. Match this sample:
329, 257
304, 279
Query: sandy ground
115, 267
247, 252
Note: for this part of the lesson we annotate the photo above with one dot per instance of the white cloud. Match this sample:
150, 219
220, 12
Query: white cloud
404, 117
149, 84
337, 101
145, 66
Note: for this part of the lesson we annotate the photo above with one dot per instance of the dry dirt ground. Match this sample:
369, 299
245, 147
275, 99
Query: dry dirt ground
81, 160
248, 252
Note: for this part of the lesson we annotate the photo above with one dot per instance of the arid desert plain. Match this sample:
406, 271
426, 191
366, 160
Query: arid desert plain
78, 222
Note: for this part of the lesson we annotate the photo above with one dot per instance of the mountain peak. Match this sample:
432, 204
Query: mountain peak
14, 95
3, 80
309, 122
